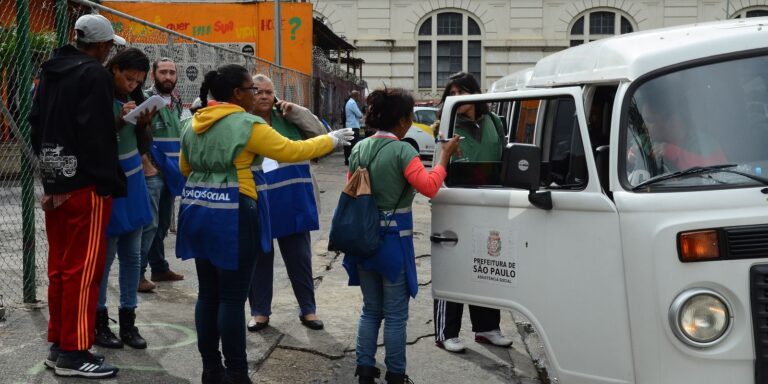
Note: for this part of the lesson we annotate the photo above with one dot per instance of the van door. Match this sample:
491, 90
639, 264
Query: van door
562, 268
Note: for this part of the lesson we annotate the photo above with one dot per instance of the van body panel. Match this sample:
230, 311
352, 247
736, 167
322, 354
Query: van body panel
598, 272
536, 246
626, 57
649, 227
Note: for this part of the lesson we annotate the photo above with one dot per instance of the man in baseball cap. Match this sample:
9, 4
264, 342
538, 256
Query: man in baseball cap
72, 133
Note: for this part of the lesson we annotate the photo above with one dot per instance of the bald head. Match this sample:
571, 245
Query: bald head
355, 95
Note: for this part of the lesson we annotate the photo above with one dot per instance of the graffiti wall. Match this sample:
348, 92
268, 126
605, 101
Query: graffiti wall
250, 27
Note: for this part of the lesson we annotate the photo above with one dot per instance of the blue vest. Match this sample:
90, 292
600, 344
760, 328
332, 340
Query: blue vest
396, 252
291, 194
135, 210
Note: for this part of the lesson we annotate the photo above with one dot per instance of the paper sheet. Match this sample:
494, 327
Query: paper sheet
156, 101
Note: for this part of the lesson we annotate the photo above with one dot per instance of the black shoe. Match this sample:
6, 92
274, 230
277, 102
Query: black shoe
397, 378
129, 334
104, 336
311, 324
53, 355
83, 364
255, 326
366, 374
213, 376
236, 378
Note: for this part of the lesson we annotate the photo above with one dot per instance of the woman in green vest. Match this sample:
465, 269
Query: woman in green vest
129, 214
219, 222
483, 140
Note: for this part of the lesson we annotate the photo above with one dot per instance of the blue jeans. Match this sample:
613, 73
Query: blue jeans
388, 301
220, 309
127, 248
153, 234
297, 255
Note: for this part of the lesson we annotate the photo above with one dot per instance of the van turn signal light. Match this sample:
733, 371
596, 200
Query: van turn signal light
699, 245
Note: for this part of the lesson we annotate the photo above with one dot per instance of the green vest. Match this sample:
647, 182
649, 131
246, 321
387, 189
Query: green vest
210, 155
488, 148
126, 135
285, 127
166, 124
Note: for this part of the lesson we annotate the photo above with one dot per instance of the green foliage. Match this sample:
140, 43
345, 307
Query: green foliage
40, 43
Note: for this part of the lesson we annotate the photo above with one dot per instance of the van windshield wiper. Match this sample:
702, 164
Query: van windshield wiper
700, 170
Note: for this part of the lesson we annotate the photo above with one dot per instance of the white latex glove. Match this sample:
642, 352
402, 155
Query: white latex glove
342, 137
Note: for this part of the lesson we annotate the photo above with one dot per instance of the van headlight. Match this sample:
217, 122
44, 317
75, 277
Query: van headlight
700, 317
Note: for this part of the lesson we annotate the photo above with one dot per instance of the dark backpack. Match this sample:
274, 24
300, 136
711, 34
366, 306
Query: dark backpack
355, 227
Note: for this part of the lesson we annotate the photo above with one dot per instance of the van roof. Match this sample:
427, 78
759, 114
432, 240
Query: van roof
513, 81
629, 56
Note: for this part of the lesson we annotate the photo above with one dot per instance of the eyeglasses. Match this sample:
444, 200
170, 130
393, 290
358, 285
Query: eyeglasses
256, 91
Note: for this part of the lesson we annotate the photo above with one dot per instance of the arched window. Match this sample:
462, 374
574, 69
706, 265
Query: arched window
448, 42
750, 12
596, 24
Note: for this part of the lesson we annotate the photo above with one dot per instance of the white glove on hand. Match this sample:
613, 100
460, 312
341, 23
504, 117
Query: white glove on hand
342, 137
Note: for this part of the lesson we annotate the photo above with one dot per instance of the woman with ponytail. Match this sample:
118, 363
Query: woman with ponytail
221, 224
129, 68
388, 279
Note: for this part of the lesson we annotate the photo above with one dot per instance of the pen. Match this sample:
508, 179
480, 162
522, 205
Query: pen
441, 140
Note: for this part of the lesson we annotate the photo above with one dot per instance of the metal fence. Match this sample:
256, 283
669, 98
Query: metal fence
29, 30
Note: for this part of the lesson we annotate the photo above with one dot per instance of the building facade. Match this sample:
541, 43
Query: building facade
417, 44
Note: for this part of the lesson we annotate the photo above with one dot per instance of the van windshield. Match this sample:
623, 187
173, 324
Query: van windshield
714, 115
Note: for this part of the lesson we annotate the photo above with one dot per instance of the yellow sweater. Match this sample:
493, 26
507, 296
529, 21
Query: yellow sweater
263, 141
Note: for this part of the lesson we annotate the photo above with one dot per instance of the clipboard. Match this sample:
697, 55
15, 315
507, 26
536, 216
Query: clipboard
155, 101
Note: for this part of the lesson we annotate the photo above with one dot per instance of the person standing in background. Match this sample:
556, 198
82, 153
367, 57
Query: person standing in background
352, 117
292, 200
161, 169
484, 141
72, 133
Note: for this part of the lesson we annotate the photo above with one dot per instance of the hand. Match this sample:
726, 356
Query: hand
285, 106
448, 149
145, 117
127, 107
342, 137
149, 168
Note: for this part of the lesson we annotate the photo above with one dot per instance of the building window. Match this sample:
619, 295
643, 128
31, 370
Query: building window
601, 23
448, 42
751, 12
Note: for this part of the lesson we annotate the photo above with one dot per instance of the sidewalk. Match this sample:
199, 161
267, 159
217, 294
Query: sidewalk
285, 352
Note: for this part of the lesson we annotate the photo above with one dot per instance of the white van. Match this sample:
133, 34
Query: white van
628, 216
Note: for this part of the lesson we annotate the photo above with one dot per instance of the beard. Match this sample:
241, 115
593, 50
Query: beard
165, 87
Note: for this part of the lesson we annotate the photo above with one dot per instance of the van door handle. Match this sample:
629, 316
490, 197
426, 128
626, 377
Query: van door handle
443, 239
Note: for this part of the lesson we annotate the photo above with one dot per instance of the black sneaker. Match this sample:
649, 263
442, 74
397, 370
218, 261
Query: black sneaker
83, 364
53, 355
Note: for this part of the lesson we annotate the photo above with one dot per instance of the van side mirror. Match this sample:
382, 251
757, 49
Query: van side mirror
521, 168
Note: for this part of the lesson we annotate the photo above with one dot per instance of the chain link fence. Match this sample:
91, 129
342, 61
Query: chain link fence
29, 30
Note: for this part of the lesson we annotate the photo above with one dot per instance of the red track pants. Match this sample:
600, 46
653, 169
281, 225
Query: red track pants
76, 255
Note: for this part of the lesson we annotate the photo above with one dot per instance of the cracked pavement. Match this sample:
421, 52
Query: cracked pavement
286, 351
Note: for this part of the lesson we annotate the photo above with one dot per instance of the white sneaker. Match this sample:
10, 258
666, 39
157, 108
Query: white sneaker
493, 337
451, 345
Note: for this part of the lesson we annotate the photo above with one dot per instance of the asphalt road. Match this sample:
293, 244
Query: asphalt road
285, 352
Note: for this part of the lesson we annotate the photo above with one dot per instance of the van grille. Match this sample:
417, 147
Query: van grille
758, 284
746, 242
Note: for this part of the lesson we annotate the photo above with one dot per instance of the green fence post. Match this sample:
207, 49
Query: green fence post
24, 83
62, 23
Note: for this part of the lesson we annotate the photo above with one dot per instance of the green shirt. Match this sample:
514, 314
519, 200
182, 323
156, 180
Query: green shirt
387, 170
486, 146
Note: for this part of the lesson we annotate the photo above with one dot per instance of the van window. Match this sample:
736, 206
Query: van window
710, 115
553, 120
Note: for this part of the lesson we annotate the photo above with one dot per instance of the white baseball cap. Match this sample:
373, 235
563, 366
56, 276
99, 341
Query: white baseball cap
96, 29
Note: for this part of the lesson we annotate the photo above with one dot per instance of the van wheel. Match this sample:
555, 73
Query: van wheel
412, 143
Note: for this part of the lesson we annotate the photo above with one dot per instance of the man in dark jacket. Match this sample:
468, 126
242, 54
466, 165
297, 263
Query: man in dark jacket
74, 137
